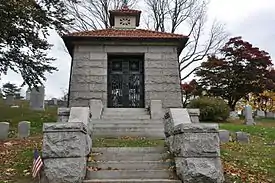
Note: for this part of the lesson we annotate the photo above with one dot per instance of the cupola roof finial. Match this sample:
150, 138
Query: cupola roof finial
125, 4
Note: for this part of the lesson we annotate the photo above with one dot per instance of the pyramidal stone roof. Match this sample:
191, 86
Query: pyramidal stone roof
125, 33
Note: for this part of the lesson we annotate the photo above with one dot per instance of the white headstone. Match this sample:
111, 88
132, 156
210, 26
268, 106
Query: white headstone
37, 98
248, 115
270, 115
260, 113
24, 128
4, 130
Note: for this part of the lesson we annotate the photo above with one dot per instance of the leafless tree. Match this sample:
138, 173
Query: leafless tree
170, 15
92, 14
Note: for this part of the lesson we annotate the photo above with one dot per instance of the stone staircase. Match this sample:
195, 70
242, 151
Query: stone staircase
132, 122
129, 164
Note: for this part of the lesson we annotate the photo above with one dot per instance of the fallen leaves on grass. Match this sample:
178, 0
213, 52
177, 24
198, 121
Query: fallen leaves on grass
244, 174
16, 157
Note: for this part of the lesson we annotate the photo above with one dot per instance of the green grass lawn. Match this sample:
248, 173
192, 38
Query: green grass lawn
253, 162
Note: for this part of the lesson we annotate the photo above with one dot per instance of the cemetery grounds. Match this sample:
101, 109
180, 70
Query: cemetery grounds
243, 163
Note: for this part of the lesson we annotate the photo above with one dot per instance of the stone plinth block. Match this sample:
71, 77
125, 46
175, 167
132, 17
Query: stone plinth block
224, 136
65, 170
70, 141
196, 145
4, 130
96, 108
174, 117
199, 170
63, 114
24, 128
78, 114
242, 137
156, 109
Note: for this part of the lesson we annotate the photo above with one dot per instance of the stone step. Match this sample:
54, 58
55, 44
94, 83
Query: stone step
131, 165
132, 181
131, 132
130, 125
125, 110
162, 157
130, 174
125, 116
130, 150
129, 121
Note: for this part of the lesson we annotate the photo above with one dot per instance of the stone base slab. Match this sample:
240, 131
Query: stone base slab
64, 170
199, 170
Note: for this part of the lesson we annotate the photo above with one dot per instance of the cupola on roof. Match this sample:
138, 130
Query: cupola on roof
125, 18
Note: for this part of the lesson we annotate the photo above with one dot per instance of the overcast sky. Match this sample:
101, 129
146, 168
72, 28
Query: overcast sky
254, 20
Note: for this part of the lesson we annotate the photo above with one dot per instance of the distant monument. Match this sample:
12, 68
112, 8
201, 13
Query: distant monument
37, 98
28, 94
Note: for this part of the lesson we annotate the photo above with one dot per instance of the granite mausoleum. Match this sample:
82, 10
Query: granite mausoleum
124, 66
125, 82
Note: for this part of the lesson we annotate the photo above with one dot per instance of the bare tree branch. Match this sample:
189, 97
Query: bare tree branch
191, 13
92, 14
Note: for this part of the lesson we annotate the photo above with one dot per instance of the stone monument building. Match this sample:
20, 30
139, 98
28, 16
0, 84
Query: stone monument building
123, 66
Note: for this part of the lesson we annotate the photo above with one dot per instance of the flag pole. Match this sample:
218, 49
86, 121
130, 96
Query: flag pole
39, 177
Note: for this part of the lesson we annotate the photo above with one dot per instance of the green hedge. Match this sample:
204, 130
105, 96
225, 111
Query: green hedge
211, 108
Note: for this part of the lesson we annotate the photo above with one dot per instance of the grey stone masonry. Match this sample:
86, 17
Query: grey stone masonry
156, 110
89, 73
65, 150
173, 117
63, 114
96, 109
4, 130
24, 128
66, 146
196, 148
64, 140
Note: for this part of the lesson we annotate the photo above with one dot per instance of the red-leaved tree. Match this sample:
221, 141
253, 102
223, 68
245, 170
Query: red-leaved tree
241, 69
188, 90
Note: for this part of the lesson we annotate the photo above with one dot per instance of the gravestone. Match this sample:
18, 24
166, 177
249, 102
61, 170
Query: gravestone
224, 136
9, 100
4, 130
24, 129
270, 115
260, 113
54, 101
233, 115
242, 137
37, 98
248, 115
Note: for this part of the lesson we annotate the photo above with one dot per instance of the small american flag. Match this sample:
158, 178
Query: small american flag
37, 164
